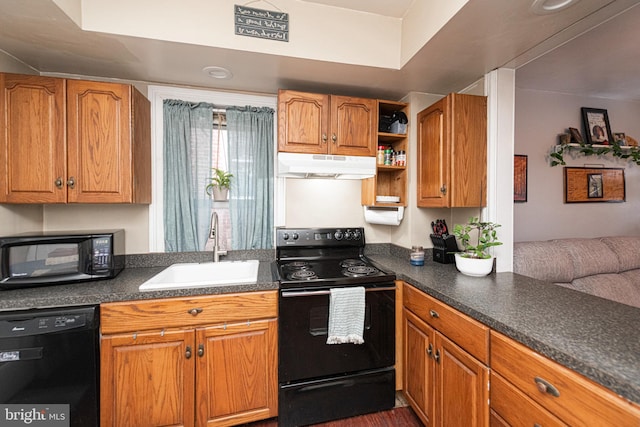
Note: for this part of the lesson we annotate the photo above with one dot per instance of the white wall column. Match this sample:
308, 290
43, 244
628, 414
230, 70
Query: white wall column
500, 91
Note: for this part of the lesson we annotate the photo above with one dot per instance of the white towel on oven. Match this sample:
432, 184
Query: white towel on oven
346, 316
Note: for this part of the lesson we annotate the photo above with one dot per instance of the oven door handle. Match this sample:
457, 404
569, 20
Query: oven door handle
287, 294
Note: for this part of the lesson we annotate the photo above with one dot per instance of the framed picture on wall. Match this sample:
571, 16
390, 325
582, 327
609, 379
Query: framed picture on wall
596, 126
594, 185
519, 178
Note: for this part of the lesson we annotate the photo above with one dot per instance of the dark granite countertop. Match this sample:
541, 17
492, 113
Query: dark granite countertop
593, 336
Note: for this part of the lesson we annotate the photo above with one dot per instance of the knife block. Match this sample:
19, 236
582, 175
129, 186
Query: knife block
443, 248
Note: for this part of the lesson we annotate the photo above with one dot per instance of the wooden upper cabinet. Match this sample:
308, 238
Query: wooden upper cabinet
326, 124
73, 141
108, 139
32, 139
452, 152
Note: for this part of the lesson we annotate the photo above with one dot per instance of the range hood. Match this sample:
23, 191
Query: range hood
297, 165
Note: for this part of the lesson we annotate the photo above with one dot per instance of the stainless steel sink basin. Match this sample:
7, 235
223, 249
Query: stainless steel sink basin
198, 275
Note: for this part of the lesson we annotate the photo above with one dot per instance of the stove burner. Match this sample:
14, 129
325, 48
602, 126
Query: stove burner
352, 263
303, 275
359, 271
297, 265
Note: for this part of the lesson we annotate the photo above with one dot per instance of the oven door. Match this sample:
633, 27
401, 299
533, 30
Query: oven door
303, 322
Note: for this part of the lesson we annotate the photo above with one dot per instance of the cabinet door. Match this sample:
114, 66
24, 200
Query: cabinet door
237, 380
99, 142
303, 122
433, 156
353, 126
418, 367
147, 379
32, 139
468, 146
462, 387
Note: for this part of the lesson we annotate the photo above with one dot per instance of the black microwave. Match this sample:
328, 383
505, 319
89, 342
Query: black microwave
52, 258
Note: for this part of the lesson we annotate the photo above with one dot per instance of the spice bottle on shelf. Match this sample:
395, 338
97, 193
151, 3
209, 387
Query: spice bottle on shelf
387, 157
380, 157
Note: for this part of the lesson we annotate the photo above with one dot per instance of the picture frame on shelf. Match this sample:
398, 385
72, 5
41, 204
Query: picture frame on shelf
520, 178
620, 138
596, 126
576, 137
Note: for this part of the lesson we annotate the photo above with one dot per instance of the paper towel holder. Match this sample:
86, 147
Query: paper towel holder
383, 215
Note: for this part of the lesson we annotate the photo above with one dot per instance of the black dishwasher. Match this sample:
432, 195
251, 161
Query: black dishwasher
50, 357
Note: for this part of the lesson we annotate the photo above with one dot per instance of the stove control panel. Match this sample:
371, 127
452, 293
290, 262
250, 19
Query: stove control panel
318, 237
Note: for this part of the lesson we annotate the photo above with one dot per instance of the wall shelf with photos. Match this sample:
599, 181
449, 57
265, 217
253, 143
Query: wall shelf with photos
625, 152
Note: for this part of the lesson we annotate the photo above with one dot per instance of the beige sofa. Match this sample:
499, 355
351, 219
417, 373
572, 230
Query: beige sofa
608, 267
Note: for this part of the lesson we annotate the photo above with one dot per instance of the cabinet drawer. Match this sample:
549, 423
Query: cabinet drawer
467, 333
515, 408
183, 312
579, 401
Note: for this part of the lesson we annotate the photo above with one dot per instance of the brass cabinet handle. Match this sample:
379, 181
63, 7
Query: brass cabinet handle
434, 314
546, 387
430, 349
437, 356
334, 137
324, 137
195, 311
200, 350
58, 182
71, 183
188, 352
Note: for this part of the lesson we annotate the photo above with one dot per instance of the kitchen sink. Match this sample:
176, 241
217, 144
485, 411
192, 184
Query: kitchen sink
199, 275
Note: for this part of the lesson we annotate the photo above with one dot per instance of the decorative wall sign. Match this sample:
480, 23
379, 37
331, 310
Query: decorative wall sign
262, 24
593, 185
519, 178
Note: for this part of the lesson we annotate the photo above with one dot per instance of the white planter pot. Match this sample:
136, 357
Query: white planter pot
220, 194
474, 266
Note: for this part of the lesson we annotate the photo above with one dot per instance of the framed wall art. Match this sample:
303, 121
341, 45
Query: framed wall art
519, 178
596, 126
593, 185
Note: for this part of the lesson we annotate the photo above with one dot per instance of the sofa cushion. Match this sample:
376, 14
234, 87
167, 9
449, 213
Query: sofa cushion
627, 249
615, 287
543, 261
589, 257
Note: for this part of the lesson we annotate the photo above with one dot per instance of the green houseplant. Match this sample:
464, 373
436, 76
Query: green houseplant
219, 185
475, 260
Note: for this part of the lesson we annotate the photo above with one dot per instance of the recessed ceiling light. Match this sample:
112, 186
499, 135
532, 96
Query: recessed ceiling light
543, 7
217, 72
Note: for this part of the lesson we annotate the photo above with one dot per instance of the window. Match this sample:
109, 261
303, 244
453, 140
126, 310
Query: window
158, 94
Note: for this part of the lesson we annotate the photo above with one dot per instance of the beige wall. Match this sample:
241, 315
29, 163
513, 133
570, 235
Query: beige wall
540, 117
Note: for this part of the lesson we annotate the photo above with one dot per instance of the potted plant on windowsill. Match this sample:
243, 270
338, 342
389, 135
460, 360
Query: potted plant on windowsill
475, 260
219, 185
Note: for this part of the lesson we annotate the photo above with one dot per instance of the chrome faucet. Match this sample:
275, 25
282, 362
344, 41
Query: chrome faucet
213, 234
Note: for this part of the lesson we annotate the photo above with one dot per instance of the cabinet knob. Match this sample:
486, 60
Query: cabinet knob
71, 183
334, 138
443, 189
437, 356
430, 350
324, 137
546, 387
434, 314
195, 311
200, 350
58, 182
187, 353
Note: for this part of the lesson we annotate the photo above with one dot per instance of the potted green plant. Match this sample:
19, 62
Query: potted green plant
475, 260
219, 185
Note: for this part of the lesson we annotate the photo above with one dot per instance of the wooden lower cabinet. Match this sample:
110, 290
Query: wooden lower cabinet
444, 384
217, 374
529, 389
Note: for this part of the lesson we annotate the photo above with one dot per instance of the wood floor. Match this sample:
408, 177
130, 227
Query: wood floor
396, 417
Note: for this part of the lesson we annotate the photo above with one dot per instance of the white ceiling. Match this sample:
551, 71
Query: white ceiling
550, 52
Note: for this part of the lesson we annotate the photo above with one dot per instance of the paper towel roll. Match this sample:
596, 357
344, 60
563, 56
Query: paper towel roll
385, 216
